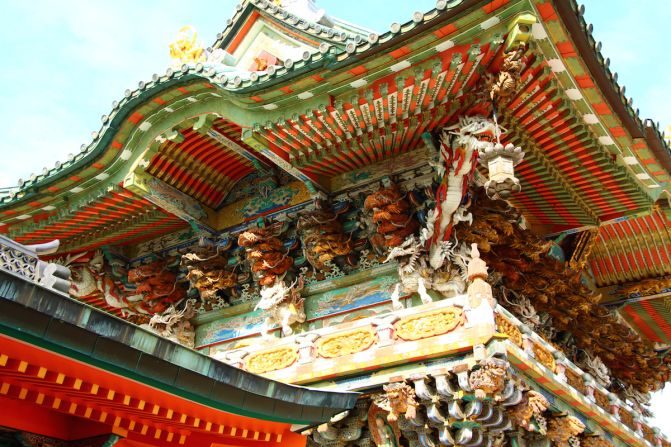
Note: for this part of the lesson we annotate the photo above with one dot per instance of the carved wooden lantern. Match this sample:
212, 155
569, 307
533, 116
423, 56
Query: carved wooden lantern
501, 160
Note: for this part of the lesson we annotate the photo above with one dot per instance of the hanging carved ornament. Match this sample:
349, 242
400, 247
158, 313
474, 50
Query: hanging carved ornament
345, 343
322, 237
528, 414
400, 400
267, 257
503, 86
489, 378
208, 273
384, 433
157, 285
563, 431
429, 324
271, 360
506, 327
500, 161
392, 217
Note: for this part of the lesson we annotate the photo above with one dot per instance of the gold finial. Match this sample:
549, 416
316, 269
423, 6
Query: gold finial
667, 135
186, 48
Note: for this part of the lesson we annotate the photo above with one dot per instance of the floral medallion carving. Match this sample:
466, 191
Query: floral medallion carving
345, 343
506, 327
271, 360
429, 324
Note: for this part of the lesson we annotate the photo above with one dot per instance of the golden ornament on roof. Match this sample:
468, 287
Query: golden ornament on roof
186, 47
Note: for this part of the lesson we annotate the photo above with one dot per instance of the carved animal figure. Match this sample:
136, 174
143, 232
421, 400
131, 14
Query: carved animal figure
89, 279
459, 146
284, 304
562, 429
207, 272
392, 217
529, 410
398, 400
503, 86
157, 285
322, 237
268, 260
490, 378
519, 258
175, 325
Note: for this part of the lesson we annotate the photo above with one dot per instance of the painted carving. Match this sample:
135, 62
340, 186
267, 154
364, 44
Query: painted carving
429, 324
269, 261
157, 285
393, 221
271, 360
481, 303
543, 356
503, 86
266, 254
383, 432
174, 324
89, 279
322, 237
528, 414
399, 399
594, 441
346, 343
506, 327
563, 431
489, 378
459, 147
209, 274
284, 304
150, 289
595, 367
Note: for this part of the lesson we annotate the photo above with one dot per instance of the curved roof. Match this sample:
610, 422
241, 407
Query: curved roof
124, 354
598, 137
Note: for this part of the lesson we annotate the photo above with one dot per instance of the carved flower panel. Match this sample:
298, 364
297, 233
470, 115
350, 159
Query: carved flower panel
506, 327
345, 343
429, 324
602, 400
544, 357
626, 419
575, 381
271, 360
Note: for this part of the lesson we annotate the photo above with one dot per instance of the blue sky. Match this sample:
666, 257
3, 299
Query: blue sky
65, 61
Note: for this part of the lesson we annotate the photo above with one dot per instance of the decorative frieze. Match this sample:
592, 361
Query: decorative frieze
271, 360
429, 324
345, 343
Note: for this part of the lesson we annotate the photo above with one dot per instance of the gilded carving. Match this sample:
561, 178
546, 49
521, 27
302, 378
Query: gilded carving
575, 381
528, 414
594, 441
489, 379
506, 327
271, 360
544, 356
563, 430
429, 324
345, 343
